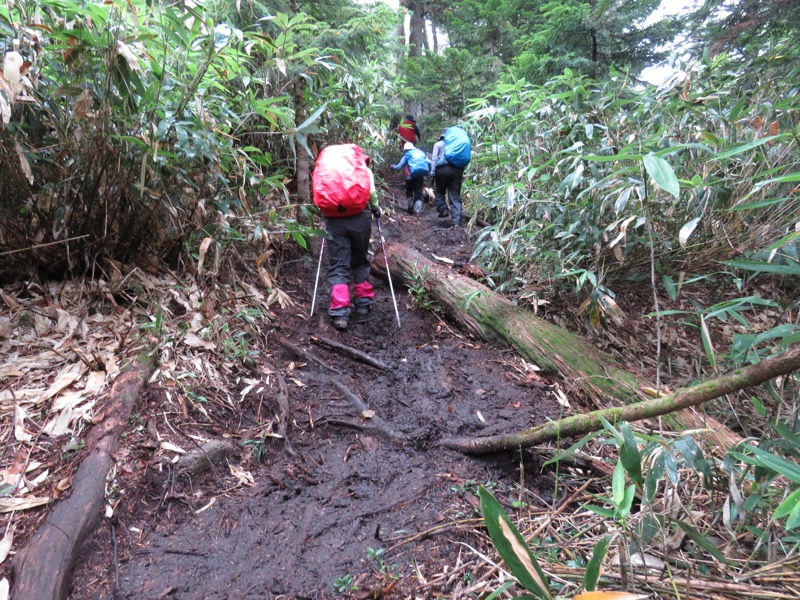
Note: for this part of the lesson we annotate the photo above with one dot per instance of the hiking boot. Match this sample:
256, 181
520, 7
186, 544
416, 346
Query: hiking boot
410, 210
444, 213
340, 322
362, 311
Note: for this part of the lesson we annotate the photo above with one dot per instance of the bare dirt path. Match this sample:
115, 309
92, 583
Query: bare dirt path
359, 503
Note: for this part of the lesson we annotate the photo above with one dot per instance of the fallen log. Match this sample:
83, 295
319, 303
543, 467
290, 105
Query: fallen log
586, 423
43, 568
490, 316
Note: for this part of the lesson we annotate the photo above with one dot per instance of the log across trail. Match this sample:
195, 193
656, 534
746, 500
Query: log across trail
490, 316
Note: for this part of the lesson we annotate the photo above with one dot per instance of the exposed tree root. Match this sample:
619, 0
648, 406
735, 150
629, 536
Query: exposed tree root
363, 410
306, 355
43, 568
285, 409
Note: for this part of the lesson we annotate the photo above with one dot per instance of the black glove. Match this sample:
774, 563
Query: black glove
376, 211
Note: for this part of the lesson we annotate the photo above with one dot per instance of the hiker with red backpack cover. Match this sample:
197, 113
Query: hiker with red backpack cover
416, 165
408, 130
344, 191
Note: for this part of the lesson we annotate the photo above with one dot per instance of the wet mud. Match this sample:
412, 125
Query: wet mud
352, 503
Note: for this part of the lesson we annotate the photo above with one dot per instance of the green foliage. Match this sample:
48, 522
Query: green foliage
512, 547
578, 178
418, 284
173, 123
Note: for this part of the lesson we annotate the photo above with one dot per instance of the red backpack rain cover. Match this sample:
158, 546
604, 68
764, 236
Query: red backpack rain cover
341, 182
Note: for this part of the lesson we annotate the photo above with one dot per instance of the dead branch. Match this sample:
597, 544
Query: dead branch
285, 410
306, 355
351, 352
582, 424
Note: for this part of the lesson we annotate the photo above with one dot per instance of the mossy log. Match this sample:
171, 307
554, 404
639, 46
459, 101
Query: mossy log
43, 569
582, 424
492, 317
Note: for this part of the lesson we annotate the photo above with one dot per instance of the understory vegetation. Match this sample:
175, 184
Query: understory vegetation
144, 137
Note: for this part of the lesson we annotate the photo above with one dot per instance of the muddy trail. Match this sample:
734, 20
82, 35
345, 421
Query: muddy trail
357, 499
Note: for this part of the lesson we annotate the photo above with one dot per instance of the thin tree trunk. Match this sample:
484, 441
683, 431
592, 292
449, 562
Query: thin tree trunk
303, 174
489, 316
582, 424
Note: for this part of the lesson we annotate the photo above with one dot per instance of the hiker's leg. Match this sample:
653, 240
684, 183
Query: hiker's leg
439, 191
338, 267
410, 195
360, 232
417, 184
454, 192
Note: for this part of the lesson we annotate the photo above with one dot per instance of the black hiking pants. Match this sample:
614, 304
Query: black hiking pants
348, 246
448, 181
414, 187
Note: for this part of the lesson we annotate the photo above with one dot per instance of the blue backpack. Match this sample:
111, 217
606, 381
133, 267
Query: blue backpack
417, 162
457, 147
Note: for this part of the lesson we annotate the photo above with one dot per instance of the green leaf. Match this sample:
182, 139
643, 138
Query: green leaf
788, 505
794, 517
763, 267
600, 510
512, 547
708, 346
629, 455
593, 568
663, 175
627, 501
669, 285
702, 541
767, 460
748, 146
618, 485
574, 448
305, 125
499, 591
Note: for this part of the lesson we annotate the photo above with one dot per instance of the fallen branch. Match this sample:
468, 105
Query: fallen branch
285, 409
363, 410
351, 352
582, 424
44, 567
306, 355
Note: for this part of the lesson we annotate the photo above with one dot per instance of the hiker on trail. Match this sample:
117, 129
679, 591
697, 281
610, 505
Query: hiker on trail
344, 191
436, 154
408, 130
449, 172
416, 165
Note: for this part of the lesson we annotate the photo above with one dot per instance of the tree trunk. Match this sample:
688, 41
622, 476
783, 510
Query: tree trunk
303, 172
44, 567
582, 424
490, 316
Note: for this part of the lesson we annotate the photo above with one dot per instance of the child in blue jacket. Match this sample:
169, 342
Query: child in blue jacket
417, 165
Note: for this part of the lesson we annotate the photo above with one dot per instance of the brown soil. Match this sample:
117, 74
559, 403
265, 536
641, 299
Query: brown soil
345, 498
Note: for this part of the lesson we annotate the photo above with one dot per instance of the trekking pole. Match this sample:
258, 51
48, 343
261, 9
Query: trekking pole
316, 282
388, 274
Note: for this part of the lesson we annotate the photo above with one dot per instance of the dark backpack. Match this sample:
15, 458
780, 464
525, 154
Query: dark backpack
341, 181
417, 162
457, 147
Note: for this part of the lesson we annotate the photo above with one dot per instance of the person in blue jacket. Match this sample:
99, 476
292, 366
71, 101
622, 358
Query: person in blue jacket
417, 165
